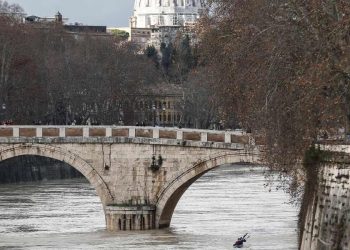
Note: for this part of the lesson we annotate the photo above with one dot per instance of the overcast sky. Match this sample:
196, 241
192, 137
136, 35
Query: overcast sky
91, 12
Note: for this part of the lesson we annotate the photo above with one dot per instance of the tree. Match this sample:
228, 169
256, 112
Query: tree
202, 108
10, 10
49, 75
121, 34
177, 59
283, 67
167, 51
152, 53
11, 41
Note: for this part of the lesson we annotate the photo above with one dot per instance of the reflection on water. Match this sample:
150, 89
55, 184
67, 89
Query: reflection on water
219, 207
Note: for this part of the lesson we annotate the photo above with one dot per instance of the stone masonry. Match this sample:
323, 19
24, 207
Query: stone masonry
327, 223
139, 173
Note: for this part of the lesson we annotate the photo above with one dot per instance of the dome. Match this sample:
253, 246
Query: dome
155, 13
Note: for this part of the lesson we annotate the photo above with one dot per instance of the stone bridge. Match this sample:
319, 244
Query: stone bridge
139, 173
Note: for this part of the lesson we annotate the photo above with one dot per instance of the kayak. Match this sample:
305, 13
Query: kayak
238, 245
240, 241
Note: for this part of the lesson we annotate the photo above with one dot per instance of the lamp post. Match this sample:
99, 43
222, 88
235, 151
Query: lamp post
163, 115
154, 114
120, 115
158, 113
2, 113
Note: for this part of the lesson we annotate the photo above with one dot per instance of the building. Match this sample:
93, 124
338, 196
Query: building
159, 105
58, 19
158, 21
77, 28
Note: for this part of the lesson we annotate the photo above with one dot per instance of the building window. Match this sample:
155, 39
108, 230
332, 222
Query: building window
148, 22
175, 20
160, 20
166, 3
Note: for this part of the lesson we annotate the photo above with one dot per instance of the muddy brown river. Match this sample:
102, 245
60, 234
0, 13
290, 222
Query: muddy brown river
222, 205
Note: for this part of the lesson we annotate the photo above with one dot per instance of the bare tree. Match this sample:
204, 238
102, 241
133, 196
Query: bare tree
51, 76
283, 66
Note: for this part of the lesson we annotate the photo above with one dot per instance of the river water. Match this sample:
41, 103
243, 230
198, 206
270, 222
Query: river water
222, 205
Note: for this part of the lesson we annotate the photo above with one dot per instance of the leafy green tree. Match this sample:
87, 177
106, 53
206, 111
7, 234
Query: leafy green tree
167, 57
152, 53
121, 34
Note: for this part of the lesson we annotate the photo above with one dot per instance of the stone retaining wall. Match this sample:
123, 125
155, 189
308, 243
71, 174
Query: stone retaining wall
328, 217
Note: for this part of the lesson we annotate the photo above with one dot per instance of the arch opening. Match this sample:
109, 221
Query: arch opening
231, 200
172, 193
31, 168
52, 206
62, 155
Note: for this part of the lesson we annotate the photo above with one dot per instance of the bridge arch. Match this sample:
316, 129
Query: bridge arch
172, 193
70, 158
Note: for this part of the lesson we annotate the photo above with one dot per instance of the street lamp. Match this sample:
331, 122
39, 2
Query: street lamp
163, 114
120, 114
158, 113
2, 113
154, 114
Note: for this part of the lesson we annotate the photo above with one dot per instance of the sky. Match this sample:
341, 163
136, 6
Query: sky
111, 13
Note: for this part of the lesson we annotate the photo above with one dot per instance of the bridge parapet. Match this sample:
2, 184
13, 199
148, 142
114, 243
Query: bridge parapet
12, 134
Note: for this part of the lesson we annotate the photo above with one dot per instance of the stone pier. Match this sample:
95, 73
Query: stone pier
123, 218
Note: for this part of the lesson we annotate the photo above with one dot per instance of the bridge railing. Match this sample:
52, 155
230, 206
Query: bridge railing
236, 136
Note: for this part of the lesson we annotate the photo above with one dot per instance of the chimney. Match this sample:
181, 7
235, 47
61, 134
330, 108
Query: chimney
58, 17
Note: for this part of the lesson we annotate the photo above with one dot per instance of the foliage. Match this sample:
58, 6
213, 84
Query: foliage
167, 51
313, 156
178, 63
283, 68
121, 34
10, 9
52, 77
152, 53
177, 59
